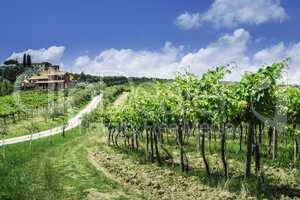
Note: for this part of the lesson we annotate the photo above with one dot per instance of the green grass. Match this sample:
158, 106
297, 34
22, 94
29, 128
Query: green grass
19, 128
53, 168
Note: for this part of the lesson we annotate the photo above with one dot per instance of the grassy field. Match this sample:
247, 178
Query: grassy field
56, 168
82, 166
21, 126
42, 117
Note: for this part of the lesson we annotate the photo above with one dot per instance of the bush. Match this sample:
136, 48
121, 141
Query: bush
6, 87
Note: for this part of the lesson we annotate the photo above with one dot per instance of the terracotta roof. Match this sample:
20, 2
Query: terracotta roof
53, 81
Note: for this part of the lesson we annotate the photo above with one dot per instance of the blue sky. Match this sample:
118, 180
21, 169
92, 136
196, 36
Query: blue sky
113, 35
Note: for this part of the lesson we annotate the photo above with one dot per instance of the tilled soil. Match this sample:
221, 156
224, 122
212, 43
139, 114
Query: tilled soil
153, 182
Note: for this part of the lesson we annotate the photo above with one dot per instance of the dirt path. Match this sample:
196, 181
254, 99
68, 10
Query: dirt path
95, 195
151, 181
121, 99
72, 123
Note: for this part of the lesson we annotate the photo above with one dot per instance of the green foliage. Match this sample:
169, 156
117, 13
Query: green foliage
293, 107
111, 80
188, 98
27, 102
110, 93
12, 72
6, 87
258, 90
11, 62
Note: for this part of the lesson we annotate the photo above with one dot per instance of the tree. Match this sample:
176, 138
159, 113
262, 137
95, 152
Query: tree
5, 87
11, 72
82, 77
24, 60
32, 128
64, 125
28, 61
11, 62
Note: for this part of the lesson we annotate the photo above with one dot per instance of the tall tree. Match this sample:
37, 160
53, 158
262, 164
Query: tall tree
28, 61
24, 60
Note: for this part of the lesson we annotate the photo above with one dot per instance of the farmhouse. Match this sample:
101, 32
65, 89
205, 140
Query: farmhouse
49, 77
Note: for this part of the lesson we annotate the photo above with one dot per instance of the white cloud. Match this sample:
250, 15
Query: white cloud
293, 52
53, 54
82, 61
131, 62
278, 52
231, 13
228, 49
271, 54
188, 21
164, 63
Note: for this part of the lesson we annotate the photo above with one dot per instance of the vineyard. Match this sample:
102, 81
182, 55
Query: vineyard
57, 167
26, 112
206, 127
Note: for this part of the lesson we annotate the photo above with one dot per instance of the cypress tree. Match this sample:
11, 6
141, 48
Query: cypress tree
29, 60
24, 60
